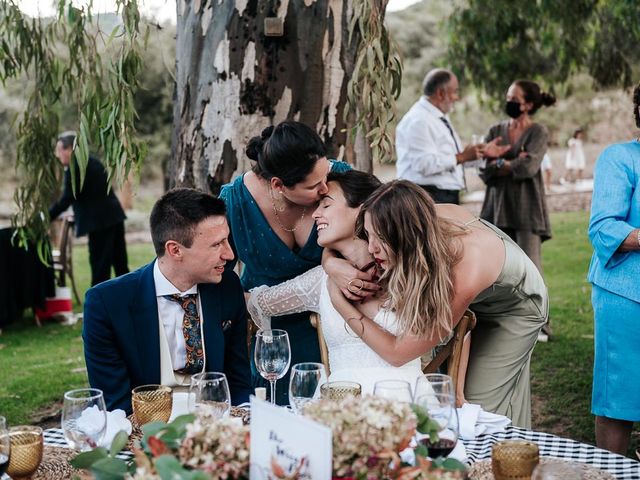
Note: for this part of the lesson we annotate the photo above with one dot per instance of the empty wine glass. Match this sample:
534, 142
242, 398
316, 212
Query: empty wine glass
441, 409
5, 446
209, 392
272, 356
394, 389
431, 383
26, 451
304, 385
84, 418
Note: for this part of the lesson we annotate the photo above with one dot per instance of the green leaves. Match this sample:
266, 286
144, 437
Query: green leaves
426, 425
63, 58
376, 80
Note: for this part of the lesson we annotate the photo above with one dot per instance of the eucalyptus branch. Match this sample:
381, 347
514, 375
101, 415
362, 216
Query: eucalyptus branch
376, 81
64, 59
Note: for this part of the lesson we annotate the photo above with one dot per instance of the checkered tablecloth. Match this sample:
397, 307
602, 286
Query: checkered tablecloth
54, 437
557, 447
480, 449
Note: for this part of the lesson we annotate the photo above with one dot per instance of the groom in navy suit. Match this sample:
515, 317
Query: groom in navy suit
179, 315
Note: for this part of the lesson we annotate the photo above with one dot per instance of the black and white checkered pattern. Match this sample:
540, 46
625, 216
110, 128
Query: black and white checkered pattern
622, 468
557, 447
54, 437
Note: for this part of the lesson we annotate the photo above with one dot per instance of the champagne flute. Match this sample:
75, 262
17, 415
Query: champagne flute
304, 385
5, 446
441, 408
210, 394
394, 389
84, 418
26, 451
272, 356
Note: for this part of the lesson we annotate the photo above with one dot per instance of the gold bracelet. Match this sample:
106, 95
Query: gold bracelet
361, 336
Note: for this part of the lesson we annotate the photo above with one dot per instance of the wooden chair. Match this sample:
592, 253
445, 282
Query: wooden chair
455, 352
63, 256
324, 351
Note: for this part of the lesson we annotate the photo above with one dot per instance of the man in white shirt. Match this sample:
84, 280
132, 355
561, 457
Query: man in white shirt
179, 315
429, 150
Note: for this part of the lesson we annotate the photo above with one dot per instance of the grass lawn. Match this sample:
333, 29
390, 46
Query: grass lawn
48, 360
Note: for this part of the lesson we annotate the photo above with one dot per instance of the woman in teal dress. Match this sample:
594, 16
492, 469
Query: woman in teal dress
273, 234
614, 231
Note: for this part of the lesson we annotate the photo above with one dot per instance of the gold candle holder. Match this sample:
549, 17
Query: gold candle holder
514, 459
340, 390
26, 451
152, 403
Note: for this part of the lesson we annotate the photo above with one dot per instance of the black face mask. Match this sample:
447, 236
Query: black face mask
512, 109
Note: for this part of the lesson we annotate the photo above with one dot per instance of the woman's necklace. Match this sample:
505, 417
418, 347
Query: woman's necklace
295, 225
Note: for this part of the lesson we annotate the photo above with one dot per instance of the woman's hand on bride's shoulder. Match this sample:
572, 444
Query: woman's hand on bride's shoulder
353, 283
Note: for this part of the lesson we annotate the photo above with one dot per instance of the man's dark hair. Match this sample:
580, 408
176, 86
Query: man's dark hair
67, 138
177, 213
435, 80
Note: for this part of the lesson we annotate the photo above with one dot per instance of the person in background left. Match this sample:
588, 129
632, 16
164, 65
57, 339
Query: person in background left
179, 315
96, 211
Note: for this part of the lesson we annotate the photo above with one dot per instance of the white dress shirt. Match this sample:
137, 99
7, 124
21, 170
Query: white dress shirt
171, 315
426, 150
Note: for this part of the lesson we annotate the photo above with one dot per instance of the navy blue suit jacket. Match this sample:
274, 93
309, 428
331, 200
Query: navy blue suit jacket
122, 337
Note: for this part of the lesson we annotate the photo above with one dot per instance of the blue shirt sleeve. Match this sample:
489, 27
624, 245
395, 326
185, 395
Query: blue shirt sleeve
612, 192
340, 166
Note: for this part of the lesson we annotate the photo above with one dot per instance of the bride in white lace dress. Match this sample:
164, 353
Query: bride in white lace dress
350, 358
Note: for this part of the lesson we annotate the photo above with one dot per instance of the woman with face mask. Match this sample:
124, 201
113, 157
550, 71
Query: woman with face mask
514, 200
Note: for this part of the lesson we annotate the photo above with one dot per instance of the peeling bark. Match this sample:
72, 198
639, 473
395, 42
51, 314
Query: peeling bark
232, 81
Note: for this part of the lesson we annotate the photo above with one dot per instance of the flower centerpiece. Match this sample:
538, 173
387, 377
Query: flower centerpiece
368, 433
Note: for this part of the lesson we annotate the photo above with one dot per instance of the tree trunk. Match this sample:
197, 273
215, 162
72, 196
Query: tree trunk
232, 80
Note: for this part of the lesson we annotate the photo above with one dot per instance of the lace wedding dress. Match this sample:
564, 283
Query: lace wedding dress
349, 357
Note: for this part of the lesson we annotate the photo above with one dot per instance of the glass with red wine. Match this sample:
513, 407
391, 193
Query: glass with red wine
441, 408
5, 446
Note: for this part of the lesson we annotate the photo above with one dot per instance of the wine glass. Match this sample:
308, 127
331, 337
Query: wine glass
272, 356
304, 385
84, 418
441, 408
431, 383
209, 392
394, 389
152, 403
5, 446
26, 451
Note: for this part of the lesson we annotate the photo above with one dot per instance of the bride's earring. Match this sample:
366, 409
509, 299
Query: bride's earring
278, 203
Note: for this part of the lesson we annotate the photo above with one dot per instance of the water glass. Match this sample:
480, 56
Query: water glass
394, 389
441, 409
304, 385
152, 403
272, 356
209, 392
5, 446
26, 451
340, 390
514, 459
84, 418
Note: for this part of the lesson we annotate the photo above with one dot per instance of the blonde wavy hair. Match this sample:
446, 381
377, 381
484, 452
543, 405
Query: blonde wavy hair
419, 284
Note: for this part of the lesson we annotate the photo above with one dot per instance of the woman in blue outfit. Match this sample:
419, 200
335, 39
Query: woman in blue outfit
614, 272
273, 234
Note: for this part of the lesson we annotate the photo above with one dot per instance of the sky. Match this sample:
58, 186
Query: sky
161, 10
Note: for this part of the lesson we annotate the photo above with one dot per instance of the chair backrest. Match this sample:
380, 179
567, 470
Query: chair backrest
456, 353
66, 242
324, 351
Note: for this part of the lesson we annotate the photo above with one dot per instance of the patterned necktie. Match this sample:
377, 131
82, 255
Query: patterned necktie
191, 332
448, 125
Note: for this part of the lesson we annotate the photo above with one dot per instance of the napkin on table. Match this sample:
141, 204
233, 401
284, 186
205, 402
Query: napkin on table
474, 421
116, 421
